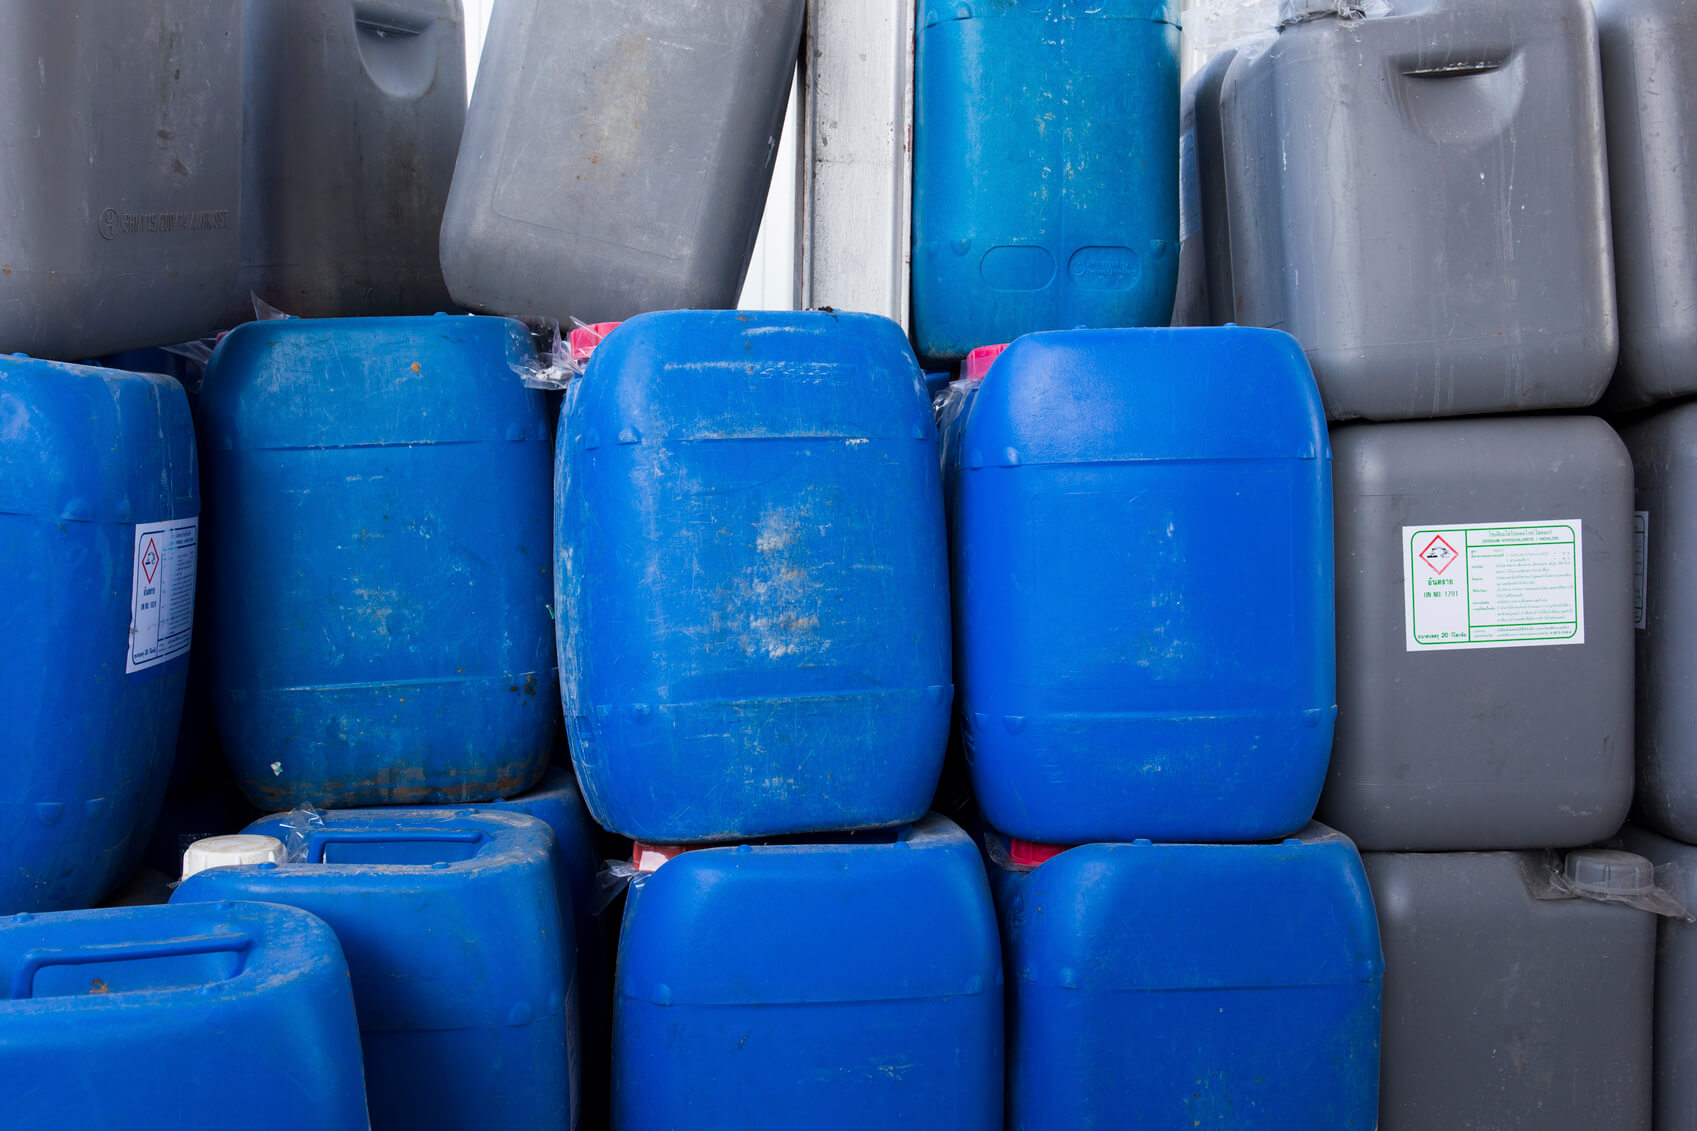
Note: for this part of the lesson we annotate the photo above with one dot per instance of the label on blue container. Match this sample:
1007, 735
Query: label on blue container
1494, 585
162, 592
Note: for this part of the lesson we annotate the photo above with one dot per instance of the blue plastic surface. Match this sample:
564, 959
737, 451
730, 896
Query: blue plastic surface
1142, 537
557, 803
1224, 987
1045, 169
451, 924
752, 579
179, 1018
196, 741
378, 560
85, 456
826, 986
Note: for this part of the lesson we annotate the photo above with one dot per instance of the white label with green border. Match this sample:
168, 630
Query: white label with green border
1493, 585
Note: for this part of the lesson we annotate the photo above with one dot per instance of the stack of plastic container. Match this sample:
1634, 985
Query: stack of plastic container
379, 635
1648, 52
1142, 533
1443, 249
751, 585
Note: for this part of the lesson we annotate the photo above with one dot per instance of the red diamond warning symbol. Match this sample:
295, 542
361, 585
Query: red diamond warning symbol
149, 561
1439, 554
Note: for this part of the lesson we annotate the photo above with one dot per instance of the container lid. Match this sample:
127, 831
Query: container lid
649, 857
1608, 871
978, 362
230, 851
583, 339
1028, 854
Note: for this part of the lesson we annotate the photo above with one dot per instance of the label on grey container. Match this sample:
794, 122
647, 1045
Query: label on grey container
1189, 194
1640, 566
162, 592
1493, 585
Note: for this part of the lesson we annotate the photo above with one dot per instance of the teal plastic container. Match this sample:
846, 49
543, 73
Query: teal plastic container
1045, 169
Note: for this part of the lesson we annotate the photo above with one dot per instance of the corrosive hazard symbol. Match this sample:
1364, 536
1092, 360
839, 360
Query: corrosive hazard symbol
150, 561
1439, 554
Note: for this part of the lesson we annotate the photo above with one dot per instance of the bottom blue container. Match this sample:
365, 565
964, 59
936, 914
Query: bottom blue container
824, 986
181, 1018
461, 969
557, 803
1189, 986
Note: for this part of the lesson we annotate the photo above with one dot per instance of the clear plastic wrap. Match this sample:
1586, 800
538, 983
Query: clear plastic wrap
1251, 25
560, 358
646, 859
612, 880
1609, 876
551, 367
948, 404
300, 823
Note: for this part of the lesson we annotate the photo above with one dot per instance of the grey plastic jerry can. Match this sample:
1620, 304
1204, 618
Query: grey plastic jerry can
617, 155
1664, 611
1650, 94
354, 110
1676, 983
1484, 613
1510, 999
1421, 199
120, 168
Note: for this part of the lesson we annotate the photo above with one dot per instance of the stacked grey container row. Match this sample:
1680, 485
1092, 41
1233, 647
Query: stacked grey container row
1472, 210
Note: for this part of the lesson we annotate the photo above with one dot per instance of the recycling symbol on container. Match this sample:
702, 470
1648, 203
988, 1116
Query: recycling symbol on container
1439, 554
149, 561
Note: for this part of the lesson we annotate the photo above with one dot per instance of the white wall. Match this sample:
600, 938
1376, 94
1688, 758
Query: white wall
771, 275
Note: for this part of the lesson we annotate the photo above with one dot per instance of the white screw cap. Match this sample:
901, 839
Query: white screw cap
228, 851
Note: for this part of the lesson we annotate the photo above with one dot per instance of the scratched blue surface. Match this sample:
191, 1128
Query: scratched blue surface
1217, 986
828, 985
1142, 541
1045, 168
377, 560
753, 587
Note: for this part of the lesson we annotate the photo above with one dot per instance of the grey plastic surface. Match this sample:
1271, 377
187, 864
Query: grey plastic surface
1676, 988
1649, 50
1505, 1011
1608, 870
617, 155
1421, 199
354, 110
1491, 747
1204, 261
120, 172
1664, 458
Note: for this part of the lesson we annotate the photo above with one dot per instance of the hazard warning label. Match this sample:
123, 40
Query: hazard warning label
1505, 585
162, 592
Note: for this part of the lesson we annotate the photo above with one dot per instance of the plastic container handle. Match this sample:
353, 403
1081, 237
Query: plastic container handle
385, 22
34, 961
319, 841
396, 49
